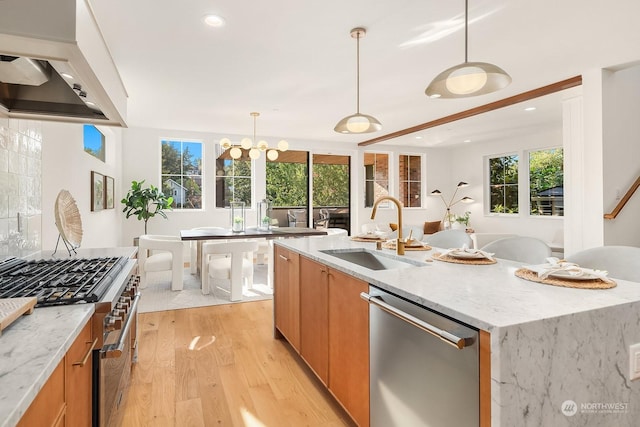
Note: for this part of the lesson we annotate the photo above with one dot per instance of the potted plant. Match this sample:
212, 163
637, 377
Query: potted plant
145, 203
463, 220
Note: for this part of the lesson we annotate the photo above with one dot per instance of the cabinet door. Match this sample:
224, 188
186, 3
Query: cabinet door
78, 380
48, 408
349, 345
287, 295
314, 312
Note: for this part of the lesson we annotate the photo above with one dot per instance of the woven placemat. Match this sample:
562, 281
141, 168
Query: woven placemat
447, 258
407, 248
367, 239
532, 276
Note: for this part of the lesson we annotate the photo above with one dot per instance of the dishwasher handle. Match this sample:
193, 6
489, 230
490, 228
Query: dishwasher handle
447, 337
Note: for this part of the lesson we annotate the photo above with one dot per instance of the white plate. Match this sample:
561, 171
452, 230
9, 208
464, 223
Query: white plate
465, 255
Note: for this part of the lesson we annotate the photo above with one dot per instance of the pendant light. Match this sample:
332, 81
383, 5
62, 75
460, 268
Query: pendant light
358, 123
469, 78
254, 151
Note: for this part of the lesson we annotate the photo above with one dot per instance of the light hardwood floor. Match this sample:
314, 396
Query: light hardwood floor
221, 366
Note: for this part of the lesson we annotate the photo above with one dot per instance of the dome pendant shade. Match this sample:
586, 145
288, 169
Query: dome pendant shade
468, 79
358, 123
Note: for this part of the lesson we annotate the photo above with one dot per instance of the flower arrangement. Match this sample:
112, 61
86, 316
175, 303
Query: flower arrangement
463, 219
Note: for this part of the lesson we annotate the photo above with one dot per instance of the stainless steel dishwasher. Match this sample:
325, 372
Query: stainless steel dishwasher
424, 366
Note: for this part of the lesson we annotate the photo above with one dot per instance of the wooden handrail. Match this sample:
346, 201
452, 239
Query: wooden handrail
614, 213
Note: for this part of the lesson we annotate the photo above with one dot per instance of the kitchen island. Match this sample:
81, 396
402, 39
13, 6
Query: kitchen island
549, 345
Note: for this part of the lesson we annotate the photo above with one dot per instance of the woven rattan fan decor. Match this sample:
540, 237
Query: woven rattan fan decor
68, 220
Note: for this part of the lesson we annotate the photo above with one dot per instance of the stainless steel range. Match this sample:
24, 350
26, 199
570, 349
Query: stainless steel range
111, 284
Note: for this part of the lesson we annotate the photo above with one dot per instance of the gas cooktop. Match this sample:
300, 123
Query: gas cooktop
59, 281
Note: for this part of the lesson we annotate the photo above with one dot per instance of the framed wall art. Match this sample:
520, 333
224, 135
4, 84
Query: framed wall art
97, 191
108, 192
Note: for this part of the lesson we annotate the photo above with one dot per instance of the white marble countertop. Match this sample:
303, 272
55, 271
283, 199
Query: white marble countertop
484, 296
30, 350
33, 345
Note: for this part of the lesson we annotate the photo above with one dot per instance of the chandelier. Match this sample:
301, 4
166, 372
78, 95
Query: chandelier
254, 150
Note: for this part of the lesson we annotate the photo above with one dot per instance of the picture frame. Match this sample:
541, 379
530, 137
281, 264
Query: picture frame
109, 196
97, 191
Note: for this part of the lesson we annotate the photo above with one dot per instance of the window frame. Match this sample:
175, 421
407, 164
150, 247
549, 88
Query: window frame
182, 174
527, 153
422, 181
389, 155
487, 180
252, 168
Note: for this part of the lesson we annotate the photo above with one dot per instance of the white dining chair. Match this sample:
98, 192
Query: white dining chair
232, 269
161, 253
622, 262
193, 248
447, 239
528, 250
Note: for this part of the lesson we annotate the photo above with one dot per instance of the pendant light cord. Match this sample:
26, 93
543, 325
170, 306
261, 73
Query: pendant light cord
358, 72
466, 32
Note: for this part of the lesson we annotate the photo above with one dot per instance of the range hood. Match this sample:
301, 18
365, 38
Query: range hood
55, 65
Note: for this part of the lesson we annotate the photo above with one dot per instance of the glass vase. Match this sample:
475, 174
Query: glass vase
264, 215
237, 217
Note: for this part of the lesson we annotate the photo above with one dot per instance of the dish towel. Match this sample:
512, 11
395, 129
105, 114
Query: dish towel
554, 265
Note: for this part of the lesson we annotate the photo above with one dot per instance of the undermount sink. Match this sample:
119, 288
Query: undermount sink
372, 260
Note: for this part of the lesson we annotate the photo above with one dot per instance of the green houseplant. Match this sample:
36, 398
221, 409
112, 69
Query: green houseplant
463, 219
145, 203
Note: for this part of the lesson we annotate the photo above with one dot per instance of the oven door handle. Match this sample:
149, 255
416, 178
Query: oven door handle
112, 351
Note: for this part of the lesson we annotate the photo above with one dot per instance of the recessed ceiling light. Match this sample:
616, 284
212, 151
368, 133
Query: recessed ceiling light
66, 75
214, 20
418, 137
530, 109
467, 140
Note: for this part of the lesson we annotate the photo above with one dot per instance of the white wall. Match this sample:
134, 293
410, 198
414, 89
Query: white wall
65, 165
468, 165
621, 151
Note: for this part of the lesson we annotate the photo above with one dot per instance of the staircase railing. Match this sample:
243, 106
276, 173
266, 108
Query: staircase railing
614, 213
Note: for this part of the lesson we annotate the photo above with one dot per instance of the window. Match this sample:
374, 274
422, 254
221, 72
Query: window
503, 184
93, 141
410, 180
546, 182
233, 180
182, 173
376, 177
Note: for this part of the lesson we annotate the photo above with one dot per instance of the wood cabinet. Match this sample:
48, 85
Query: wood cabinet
333, 327
287, 295
66, 397
314, 317
78, 379
349, 344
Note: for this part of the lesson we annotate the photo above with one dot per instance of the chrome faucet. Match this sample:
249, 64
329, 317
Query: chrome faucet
399, 241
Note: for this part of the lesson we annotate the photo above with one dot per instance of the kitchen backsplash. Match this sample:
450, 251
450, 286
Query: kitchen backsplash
20, 187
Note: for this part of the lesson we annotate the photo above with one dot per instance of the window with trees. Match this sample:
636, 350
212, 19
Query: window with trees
182, 172
376, 177
94, 142
410, 173
503, 184
288, 179
233, 180
546, 182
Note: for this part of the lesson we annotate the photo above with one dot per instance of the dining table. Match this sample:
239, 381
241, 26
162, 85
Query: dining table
201, 235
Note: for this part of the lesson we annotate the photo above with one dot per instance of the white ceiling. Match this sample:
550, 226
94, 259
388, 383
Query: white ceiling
295, 62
